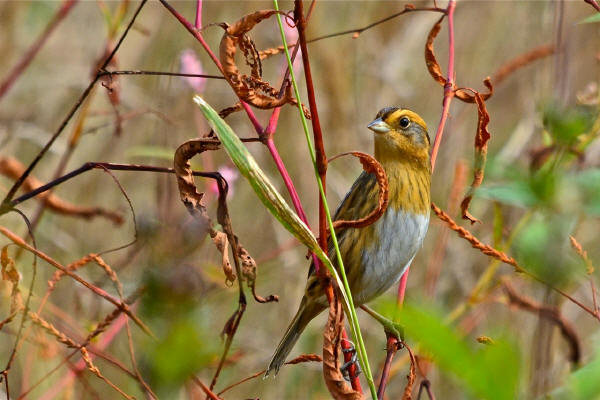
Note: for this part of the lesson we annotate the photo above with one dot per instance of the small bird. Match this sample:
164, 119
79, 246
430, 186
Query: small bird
376, 256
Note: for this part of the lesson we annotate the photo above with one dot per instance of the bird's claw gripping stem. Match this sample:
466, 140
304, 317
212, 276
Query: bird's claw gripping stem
390, 327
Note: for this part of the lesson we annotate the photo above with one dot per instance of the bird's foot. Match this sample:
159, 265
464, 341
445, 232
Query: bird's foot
390, 327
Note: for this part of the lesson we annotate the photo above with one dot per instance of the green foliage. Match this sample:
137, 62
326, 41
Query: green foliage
566, 124
543, 248
591, 19
582, 384
489, 371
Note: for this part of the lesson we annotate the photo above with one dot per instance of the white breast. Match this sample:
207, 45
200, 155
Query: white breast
400, 236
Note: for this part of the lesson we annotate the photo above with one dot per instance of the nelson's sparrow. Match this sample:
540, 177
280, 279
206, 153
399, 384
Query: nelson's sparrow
375, 257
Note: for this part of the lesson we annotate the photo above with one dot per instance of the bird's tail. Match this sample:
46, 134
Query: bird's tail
306, 312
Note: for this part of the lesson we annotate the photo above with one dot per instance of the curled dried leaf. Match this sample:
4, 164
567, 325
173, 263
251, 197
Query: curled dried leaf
251, 89
249, 268
221, 242
464, 95
188, 193
436, 71
372, 166
481, 140
337, 386
13, 169
432, 65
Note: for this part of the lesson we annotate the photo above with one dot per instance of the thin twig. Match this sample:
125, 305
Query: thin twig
356, 32
13, 190
160, 73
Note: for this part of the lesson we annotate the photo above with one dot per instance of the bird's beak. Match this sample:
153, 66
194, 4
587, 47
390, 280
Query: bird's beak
379, 126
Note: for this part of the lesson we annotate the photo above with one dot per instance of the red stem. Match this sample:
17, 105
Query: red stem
26, 59
321, 159
286, 178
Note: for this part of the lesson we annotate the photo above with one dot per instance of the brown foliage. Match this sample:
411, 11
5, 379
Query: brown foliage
370, 165
481, 140
251, 89
436, 72
338, 388
412, 375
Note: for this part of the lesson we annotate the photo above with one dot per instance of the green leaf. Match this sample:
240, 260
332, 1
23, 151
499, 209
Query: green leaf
514, 193
486, 371
263, 187
566, 124
582, 384
591, 19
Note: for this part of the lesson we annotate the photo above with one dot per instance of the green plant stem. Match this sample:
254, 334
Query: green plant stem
352, 311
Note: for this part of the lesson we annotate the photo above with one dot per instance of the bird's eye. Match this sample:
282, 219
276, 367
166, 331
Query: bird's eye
404, 122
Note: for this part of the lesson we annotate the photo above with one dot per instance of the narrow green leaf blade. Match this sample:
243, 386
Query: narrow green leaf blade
263, 187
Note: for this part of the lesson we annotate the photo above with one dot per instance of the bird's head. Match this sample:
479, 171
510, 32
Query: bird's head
400, 134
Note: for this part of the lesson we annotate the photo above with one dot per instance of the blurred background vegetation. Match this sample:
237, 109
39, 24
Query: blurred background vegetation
542, 185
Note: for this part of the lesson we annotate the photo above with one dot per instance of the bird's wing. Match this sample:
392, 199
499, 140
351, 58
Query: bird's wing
354, 204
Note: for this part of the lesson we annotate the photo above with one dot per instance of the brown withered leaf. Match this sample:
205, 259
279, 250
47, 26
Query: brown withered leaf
370, 165
337, 386
432, 65
412, 375
224, 113
436, 71
251, 89
249, 268
191, 198
462, 94
221, 242
481, 140
13, 169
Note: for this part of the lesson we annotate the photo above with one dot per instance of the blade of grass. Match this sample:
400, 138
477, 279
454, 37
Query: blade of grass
263, 187
351, 311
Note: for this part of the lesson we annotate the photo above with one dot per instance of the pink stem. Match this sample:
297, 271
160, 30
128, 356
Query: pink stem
448, 95
198, 22
286, 179
37, 45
